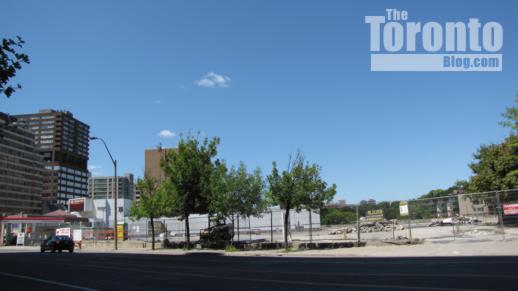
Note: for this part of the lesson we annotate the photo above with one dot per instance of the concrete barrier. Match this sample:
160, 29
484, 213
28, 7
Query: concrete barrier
109, 244
329, 245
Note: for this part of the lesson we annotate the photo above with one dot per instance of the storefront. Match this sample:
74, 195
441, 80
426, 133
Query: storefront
31, 230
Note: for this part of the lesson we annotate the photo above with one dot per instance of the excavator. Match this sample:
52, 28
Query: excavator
217, 236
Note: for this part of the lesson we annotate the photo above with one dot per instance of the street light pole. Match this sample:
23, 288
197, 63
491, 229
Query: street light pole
116, 189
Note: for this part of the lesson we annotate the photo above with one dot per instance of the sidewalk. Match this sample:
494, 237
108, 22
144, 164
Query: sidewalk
449, 249
443, 249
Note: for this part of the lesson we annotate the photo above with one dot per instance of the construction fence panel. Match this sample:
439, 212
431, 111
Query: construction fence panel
462, 217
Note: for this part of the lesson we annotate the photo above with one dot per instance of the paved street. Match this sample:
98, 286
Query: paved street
204, 271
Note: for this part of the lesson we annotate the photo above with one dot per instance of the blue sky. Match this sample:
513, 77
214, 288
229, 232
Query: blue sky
287, 75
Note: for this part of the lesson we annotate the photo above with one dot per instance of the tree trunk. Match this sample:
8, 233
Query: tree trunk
286, 226
187, 233
250, 228
238, 227
152, 233
233, 227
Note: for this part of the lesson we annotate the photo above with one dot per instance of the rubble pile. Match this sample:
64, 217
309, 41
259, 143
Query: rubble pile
403, 240
454, 220
380, 226
369, 227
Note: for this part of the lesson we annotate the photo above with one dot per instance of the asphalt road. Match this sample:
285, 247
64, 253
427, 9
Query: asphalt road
204, 271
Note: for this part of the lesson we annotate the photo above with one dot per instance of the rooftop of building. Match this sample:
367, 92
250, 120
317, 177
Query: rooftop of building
126, 175
43, 112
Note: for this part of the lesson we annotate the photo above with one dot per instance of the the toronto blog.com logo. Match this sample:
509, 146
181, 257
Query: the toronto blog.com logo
397, 44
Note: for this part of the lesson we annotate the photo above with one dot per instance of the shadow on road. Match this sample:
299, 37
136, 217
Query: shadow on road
214, 271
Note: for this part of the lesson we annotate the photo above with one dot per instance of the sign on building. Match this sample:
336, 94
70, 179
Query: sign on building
510, 209
403, 208
77, 204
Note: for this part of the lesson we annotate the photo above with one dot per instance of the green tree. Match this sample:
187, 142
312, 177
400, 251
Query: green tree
252, 195
511, 117
153, 203
10, 62
495, 166
223, 203
330, 216
390, 209
290, 188
189, 172
286, 188
315, 193
237, 192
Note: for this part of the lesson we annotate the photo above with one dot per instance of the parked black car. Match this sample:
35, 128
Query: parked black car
57, 243
10, 240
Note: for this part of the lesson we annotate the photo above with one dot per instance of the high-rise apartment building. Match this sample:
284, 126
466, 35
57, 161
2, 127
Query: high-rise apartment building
102, 187
62, 140
21, 169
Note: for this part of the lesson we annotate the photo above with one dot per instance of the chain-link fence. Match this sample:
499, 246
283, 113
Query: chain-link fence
462, 217
266, 227
469, 217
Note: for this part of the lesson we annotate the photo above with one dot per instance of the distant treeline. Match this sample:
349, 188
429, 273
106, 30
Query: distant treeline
495, 168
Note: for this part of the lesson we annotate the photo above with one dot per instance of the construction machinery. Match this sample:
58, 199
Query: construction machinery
217, 236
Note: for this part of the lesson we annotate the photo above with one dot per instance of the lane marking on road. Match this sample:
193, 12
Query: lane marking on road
46, 281
277, 281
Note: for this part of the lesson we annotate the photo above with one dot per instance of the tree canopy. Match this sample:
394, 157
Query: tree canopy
495, 166
511, 117
189, 172
10, 62
298, 187
237, 192
315, 191
153, 203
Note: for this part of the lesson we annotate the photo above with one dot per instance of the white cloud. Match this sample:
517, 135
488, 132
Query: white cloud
166, 133
95, 170
159, 102
212, 80
93, 167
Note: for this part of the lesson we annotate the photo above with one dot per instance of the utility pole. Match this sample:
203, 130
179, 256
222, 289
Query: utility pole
409, 222
500, 217
114, 192
358, 224
271, 225
393, 229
